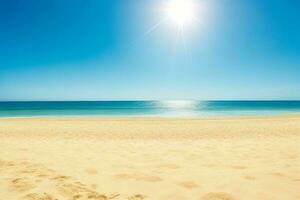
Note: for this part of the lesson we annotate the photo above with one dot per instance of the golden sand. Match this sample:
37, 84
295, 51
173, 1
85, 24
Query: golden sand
161, 159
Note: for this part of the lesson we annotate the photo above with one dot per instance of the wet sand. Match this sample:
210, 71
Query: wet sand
154, 158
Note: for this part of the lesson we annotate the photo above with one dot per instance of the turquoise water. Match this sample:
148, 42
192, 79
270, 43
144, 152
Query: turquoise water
149, 108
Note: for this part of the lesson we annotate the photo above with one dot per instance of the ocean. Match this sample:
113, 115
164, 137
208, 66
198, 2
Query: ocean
148, 108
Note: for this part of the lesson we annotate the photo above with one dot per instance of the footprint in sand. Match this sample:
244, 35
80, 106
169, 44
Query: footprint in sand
218, 196
114, 195
28, 177
138, 177
292, 157
150, 178
21, 184
91, 171
137, 197
79, 191
188, 184
24, 178
250, 178
60, 178
238, 167
94, 186
35, 196
168, 166
278, 174
23, 149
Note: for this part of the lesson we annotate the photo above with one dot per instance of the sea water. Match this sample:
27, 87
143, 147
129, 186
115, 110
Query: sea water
187, 108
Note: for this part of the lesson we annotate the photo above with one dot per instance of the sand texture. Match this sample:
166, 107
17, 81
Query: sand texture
160, 159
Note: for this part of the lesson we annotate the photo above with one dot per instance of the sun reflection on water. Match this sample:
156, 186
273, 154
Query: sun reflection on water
178, 104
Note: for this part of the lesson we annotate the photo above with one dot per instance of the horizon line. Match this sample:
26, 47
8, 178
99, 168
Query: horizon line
135, 100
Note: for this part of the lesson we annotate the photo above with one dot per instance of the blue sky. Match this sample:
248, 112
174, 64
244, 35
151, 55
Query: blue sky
99, 50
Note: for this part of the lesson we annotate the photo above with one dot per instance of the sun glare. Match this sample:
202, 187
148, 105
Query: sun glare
181, 12
183, 17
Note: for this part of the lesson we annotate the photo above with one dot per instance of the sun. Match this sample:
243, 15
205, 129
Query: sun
181, 13
182, 18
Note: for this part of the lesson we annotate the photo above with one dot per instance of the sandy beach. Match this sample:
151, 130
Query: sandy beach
154, 158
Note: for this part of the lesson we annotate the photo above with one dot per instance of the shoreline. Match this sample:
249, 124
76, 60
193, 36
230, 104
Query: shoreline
167, 117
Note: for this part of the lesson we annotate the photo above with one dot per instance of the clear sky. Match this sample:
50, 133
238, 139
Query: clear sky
112, 50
